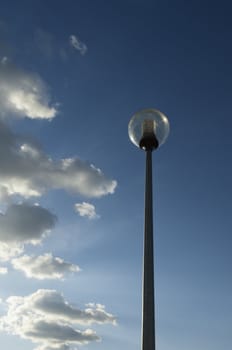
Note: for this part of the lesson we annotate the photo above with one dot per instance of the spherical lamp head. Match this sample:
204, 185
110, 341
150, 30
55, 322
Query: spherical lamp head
148, 129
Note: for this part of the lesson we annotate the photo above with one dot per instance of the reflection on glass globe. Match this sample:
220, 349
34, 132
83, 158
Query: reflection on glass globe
148, 129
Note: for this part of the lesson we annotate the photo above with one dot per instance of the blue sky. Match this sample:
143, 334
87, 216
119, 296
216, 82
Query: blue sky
71, 76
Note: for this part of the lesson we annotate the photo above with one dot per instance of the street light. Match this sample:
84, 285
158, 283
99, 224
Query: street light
148, 129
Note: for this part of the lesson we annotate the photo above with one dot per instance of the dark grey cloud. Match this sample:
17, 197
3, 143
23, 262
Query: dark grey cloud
25, 223
22, 224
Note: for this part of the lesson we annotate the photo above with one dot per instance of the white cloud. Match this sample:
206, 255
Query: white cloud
86, 209
22, 224
27, 171
58, 333
9, 250
47, 319
56, 347
3, 270
44, 266
53, 305
23, 94
77, 44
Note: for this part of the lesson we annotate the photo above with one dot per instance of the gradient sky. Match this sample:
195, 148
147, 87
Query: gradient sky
72, 73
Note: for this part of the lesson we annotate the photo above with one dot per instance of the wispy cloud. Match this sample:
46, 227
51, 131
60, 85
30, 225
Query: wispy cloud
44, 266
45, 42
23, 94
77, 44
86, 209
49, 46
47, 319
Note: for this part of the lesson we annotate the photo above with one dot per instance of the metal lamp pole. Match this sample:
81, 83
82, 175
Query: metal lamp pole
148, 314
148, 142
148, 129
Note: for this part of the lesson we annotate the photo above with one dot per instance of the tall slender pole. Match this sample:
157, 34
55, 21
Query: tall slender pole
148, 314
148, 129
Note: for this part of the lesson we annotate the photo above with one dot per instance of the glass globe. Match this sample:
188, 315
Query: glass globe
148, 129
